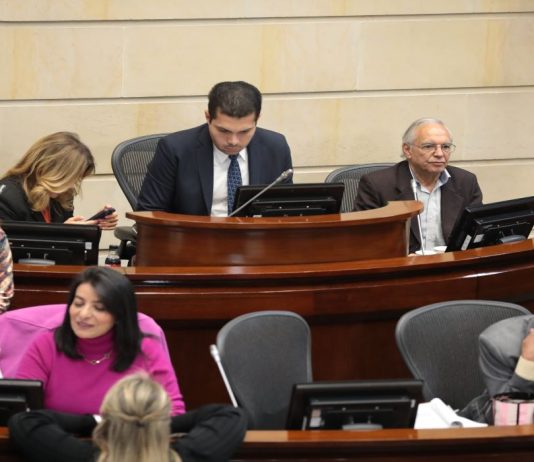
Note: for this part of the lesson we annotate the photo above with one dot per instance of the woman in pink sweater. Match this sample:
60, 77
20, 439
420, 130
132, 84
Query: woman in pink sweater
98, 343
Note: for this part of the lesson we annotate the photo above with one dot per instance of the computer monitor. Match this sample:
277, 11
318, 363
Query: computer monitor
491, 224
52, 243
18, 395
289, 199
354, 405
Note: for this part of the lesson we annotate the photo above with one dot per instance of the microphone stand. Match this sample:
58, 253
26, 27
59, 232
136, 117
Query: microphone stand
414, 189
214, 351
282, 177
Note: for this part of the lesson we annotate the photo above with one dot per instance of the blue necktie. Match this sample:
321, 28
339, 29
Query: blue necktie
234, 181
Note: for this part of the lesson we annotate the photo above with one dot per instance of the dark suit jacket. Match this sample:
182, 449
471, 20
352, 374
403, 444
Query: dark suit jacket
180, 177
14, 204
212, 433
376, 189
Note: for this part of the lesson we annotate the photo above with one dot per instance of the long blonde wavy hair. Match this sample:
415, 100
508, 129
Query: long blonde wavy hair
55, 164
135, 424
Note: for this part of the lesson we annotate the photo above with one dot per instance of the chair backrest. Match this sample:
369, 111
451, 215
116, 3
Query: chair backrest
129, 162
264, 354
19, 327
439, 344
350, 177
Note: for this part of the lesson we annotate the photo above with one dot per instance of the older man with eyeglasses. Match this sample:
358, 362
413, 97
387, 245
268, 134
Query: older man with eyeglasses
425, 174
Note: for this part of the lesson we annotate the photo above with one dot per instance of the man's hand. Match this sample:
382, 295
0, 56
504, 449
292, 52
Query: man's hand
527, 347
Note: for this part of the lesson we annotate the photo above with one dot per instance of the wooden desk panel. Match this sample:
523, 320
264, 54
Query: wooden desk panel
352, 307
189, 240
505, 444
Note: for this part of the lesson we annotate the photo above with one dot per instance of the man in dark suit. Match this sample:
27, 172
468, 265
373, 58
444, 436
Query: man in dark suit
192, 169
444, 190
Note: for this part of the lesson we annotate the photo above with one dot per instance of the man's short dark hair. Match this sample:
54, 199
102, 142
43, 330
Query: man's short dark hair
235, 99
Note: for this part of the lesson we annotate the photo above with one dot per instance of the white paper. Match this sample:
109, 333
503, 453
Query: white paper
436, 414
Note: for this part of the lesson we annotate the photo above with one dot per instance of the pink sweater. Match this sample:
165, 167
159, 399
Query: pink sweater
75, 385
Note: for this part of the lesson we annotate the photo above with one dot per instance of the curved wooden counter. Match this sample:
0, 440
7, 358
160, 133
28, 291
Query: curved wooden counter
352, 307
505, 444
165, 239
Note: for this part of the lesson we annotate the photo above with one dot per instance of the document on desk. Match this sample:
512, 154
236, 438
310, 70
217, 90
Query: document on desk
436, 414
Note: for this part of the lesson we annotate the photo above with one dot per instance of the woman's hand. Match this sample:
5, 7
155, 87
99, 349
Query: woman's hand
79, 220
109, 222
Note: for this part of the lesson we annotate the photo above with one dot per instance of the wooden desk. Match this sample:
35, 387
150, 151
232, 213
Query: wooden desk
168, 239
503, 444
352, 307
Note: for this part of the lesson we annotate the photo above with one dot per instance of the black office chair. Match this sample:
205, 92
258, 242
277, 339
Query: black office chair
350, 176
439, 344
264, 354
129, 162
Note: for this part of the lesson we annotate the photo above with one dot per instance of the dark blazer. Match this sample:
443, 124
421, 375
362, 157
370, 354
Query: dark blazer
180, 177
14, 204
377, 188
212, 434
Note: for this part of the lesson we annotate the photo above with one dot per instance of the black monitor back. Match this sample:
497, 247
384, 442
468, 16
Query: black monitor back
290, 199
17, 395
491, 224
52, 243
358, 404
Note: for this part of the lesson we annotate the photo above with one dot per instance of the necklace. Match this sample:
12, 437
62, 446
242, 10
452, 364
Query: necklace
95, 362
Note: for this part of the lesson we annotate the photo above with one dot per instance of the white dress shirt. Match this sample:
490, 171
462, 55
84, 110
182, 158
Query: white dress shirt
221, 162
431, 214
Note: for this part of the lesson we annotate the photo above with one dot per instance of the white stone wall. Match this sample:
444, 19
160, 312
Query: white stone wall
342, 79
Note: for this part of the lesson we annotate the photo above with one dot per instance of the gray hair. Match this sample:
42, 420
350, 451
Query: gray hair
410, 133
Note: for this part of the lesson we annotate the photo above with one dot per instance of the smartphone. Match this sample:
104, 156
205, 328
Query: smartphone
102, 214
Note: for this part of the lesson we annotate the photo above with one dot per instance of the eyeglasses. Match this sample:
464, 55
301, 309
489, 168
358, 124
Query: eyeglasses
430, 148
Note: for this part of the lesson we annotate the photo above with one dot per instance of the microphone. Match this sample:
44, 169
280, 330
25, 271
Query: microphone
217, 358
283, 176
414, 189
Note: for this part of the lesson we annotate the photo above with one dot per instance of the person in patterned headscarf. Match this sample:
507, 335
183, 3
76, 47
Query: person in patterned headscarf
6, 273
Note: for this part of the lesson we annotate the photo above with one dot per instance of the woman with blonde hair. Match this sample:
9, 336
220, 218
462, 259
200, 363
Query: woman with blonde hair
135, 426
136, 417
42, 185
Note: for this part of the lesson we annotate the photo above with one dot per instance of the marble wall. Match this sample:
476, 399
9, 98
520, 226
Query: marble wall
342, 79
